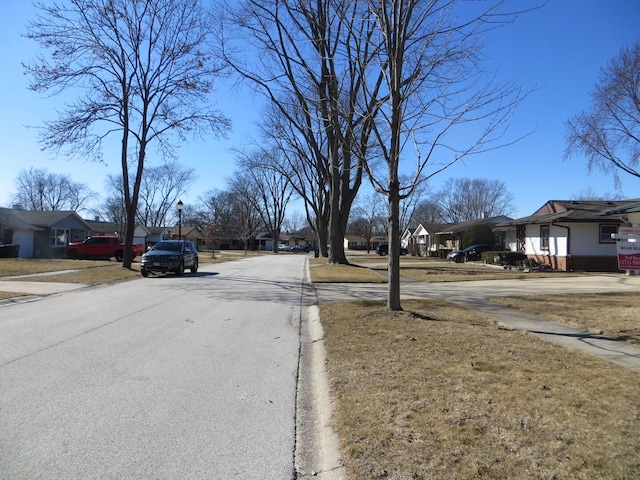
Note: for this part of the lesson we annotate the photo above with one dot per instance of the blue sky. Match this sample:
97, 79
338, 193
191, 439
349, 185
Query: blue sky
559, 49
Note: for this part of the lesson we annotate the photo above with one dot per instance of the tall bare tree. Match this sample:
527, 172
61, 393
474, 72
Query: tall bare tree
245, 219
304, 164
309, 65
38, 189
145, 69
160, 189
464, 199
429, 66
269, 190
368, 217
608, 134
214, 216
427, 211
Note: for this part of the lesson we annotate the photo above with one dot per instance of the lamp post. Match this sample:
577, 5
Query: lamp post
180, 205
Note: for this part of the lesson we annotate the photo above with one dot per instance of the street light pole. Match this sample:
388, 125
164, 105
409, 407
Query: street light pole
180, 205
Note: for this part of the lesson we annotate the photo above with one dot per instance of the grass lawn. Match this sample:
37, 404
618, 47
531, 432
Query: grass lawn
441, 392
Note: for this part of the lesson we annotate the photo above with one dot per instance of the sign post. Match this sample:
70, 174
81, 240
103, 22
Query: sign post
628, 248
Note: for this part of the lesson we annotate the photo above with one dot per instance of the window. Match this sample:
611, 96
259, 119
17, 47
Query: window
605, 233
544, 237
59, 237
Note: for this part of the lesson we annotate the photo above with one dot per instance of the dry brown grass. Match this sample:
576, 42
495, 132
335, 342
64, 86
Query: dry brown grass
6, 295
457, 272
24, 266
321, 272
443, 393
423, 269
614, 315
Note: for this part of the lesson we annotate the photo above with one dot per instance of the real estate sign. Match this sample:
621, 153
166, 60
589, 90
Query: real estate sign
628, 243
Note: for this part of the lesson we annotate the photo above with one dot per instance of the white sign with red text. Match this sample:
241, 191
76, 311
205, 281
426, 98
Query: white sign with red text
628, 243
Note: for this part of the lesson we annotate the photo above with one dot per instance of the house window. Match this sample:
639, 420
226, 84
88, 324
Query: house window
544, 237
59, 237
605, 233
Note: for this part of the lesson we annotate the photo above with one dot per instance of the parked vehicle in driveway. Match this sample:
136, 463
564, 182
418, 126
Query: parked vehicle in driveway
471, 253
456, 256
170, 256
383, 249
100, 246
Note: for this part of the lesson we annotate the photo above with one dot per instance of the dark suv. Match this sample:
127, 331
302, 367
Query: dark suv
170, 256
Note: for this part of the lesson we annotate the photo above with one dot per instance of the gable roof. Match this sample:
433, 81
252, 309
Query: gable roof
106, 228
574, 211
457, 228
43, 219
431, 228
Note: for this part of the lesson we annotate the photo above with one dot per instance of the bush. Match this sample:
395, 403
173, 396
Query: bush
506, 257
477, 235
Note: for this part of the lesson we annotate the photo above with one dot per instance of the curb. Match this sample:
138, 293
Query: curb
317, 448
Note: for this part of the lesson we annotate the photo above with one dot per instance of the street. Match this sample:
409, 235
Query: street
170, 377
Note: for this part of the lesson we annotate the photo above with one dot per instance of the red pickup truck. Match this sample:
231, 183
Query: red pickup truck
100, 246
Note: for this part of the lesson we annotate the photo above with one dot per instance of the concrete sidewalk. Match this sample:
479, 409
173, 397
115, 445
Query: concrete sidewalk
622, 353
18, 284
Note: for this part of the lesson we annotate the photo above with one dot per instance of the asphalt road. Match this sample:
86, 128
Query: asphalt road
189, 377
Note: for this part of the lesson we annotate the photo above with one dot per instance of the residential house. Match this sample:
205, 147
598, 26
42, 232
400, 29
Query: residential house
41, 234
149, 236
186, 233
99, 227
426, 240
572, 235
355, 242
450, 237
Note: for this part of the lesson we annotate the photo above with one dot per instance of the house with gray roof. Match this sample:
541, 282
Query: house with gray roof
41, 234
572, 235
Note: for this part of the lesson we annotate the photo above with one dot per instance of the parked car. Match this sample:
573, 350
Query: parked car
101, 246
383, 249
303, 247
170, 256
471, 253
456, 256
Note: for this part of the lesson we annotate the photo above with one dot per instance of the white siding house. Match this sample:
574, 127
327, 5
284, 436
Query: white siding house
426, 241
570, 235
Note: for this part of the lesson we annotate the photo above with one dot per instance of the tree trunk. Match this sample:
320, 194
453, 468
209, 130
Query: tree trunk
393, 225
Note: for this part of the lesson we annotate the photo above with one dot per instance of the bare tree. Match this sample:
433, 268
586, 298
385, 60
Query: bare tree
608, 135
146, 70
294, 222
427, 211
410, 202
160, 189
245, 218
309, 66
590, 194
304, 164
368, 217
214, 216
269, 190
464, 199
38, 189
429, 66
